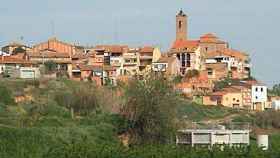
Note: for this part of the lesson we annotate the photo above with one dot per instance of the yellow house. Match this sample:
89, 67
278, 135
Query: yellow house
228, 97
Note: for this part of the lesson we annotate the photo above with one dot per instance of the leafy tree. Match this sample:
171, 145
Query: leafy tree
50, 66
275, 90
223, 83
150, 106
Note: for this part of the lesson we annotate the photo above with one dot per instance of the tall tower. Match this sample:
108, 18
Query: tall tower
181, 26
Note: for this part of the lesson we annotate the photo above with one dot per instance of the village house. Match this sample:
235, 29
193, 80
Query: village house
259, 97
14, 47
147, 55
169, 66
195, 86
237, 63
248, 94
228, 97
131, 61
87, 73
275, 102
56, 51
18, 66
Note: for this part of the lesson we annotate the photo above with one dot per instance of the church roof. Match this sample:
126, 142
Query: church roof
182, 44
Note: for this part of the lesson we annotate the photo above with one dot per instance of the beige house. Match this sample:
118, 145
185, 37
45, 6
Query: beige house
170, 66
228, 97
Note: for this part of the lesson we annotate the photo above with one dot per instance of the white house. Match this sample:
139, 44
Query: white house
259, 97
276, 105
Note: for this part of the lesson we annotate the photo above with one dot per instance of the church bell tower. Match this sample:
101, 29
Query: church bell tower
181, 26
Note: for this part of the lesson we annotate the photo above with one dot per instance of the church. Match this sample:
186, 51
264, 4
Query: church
207, 54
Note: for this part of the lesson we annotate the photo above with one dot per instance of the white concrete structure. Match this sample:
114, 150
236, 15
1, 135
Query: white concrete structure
29, 73
259, 97
210, 137
262, 141
276, 105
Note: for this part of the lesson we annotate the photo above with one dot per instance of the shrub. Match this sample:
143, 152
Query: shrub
6, 95
151, 106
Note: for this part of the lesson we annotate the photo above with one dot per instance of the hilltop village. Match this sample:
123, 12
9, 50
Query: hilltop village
206, 69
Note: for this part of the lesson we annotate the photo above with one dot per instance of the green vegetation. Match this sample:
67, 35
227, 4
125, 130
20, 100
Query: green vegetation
5, 96
196, 112
151, 106
68, 119
50, 66
192, 73
275, 91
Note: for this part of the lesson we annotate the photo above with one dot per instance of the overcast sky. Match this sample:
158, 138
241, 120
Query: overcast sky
249, 25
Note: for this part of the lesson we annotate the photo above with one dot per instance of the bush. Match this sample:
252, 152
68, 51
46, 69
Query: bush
151, 107
6, 95
192, 73
50, 66
268, 119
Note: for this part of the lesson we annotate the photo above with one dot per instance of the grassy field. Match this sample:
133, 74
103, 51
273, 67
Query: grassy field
197, 112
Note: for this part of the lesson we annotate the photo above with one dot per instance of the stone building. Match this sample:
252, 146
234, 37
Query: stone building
207, 53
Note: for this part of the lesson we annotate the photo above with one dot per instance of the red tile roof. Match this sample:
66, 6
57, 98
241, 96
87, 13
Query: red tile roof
13, 60
112, 48
49, 54
228, 52
147, 49
181, 44
210, 38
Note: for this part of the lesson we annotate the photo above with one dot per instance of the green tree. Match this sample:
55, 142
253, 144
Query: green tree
275, 90
151, 107
50, 66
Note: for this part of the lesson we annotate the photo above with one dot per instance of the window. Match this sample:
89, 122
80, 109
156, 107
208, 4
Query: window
180, 24
261, 89
256, 97
210, 71
256, 89
234, 99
